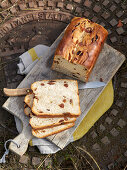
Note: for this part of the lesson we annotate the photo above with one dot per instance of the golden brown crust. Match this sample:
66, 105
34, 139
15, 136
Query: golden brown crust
35, 131
54, 116
36, 113
27, 111
78, 99
28, 100
82, 42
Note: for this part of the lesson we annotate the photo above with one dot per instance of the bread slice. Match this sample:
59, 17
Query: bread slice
51, 131
56, 97
27, 111
41, 123
29, 99
44, 122
29, 102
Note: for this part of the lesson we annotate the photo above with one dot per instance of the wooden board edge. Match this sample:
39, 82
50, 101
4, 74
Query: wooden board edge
118, 52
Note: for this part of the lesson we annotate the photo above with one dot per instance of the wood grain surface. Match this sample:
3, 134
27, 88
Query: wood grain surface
106, 66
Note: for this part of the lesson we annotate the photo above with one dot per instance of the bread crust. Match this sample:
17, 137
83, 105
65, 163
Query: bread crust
53, 116
56, 114
68, 114
82, 43
34, 131
28, 99
27, 111
43, 116
51, 125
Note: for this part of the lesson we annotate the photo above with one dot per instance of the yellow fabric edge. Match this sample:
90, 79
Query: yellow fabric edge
30, 143
33, 54
102, 104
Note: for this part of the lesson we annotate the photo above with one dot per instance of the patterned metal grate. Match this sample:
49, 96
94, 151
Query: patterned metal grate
24, 28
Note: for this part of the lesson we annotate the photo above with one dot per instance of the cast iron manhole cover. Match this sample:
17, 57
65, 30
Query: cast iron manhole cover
106, 140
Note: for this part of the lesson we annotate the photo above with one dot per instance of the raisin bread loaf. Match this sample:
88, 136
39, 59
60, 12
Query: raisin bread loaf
56, 98
51, 131
79, 48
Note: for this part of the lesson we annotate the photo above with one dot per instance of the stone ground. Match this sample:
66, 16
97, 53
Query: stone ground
24, 25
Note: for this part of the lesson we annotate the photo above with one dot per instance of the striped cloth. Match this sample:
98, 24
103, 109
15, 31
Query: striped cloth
30, 58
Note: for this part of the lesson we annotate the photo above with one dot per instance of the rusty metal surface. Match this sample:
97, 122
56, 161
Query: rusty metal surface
106, 140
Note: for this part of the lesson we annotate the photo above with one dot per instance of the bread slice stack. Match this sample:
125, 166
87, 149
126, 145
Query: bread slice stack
53, 106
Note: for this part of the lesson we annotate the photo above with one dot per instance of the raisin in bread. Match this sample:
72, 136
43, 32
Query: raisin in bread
41, 123
51, 131
79, 48
56, 98
44, 122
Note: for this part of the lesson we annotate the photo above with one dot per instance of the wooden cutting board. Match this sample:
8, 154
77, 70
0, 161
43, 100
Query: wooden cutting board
106, 66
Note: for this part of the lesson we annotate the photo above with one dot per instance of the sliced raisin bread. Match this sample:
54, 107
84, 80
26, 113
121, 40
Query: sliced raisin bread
29, 99
79, 48
56, 98
44, 122
51, 131
41, 123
